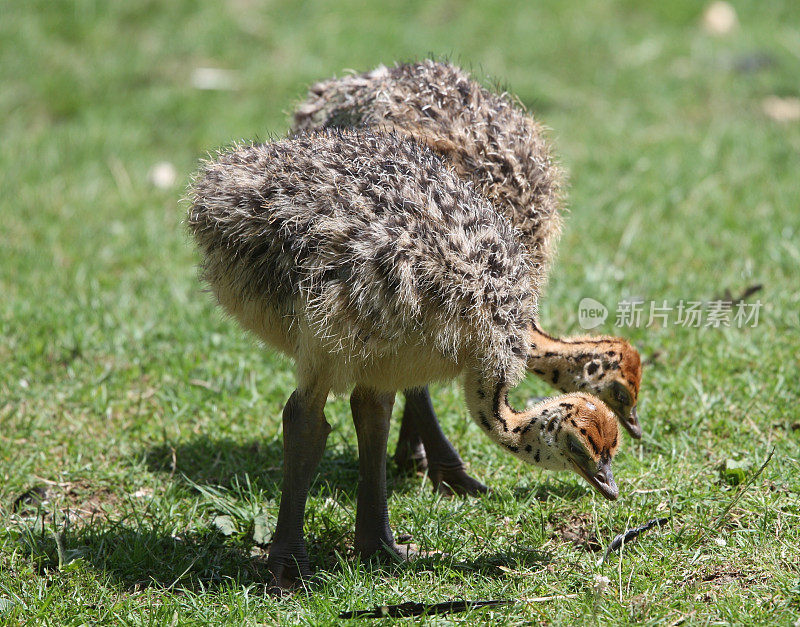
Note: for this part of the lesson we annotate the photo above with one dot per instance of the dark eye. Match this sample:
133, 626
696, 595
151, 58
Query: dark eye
621, 394
576, 449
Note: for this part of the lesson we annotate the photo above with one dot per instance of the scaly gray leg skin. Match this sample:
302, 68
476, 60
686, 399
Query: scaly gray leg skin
372, 412
305, 432
445, 467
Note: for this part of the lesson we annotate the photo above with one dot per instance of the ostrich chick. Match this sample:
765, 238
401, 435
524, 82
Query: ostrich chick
503, 151
364, 258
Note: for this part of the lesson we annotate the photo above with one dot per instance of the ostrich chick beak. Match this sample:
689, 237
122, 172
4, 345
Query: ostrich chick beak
602, 480
631, 424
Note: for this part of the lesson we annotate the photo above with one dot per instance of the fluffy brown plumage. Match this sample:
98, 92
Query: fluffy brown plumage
359, 247
488, 137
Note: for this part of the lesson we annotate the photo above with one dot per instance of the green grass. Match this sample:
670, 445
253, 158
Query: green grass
145, 416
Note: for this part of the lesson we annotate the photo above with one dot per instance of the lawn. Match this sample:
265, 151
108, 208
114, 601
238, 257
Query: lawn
140, 439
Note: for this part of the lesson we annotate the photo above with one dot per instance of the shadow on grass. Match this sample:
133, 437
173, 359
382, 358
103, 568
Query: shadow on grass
139, 550
142, 557
147, 557
225, 462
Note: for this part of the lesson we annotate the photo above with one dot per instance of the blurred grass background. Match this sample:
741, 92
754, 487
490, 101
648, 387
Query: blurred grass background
124, 394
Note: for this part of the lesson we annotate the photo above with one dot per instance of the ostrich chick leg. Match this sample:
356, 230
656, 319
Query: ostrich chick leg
409, 455
372, 412
420, 428
305, 432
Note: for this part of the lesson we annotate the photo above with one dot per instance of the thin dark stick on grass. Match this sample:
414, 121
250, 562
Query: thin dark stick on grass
727, 297
411, 608
628, 535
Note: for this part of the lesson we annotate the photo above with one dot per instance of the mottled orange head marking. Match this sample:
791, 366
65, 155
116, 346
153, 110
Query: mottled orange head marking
594, 425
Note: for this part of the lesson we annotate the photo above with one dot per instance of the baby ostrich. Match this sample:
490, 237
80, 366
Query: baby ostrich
368, 261
499, 148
